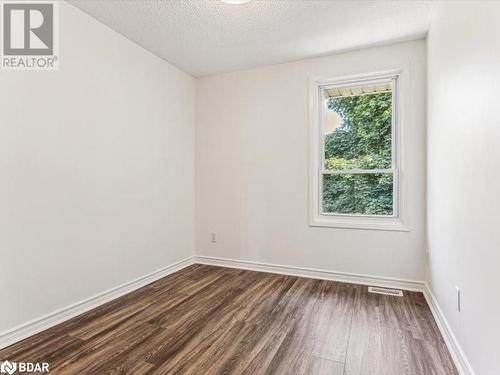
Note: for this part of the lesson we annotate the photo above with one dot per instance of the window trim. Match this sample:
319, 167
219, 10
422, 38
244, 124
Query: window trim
317, 171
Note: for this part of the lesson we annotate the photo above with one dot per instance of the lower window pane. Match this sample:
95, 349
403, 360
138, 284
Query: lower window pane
361, 194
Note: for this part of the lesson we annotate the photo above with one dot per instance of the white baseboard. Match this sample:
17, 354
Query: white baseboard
35, 326
461, 362
346, 277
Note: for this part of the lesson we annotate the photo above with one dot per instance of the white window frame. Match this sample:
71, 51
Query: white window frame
317, 171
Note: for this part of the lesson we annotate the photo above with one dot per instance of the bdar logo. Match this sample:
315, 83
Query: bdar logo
8, 367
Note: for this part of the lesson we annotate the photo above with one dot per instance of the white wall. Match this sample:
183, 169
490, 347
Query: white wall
96, 171
463, 181
252, 168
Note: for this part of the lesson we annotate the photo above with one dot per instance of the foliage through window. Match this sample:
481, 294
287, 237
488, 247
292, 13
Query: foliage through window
358, 174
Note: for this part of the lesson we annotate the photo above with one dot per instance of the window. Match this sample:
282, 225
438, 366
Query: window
355, 147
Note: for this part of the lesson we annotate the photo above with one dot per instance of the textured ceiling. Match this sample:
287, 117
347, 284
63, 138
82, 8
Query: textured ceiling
208, 36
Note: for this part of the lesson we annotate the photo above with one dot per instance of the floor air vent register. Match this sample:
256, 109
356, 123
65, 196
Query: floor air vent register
386, 291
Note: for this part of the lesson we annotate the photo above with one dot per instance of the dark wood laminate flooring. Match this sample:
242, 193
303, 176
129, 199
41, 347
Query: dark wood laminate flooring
213, 320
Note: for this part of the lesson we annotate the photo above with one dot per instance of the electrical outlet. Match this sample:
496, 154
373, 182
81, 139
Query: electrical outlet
213, 237
459, 299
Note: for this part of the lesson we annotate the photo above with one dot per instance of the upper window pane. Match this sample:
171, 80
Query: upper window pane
357, 126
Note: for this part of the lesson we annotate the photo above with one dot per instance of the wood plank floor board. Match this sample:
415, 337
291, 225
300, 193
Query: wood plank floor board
364, 352
431, 358
274, 321
321, 366
99, 352
214, 320
52, 351
335, 315
250, 341
261, 308
296, 349
219, 314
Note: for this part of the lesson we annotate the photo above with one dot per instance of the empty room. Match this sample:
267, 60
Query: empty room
300, 187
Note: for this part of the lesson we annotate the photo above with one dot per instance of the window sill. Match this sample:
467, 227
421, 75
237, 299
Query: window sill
357, 222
